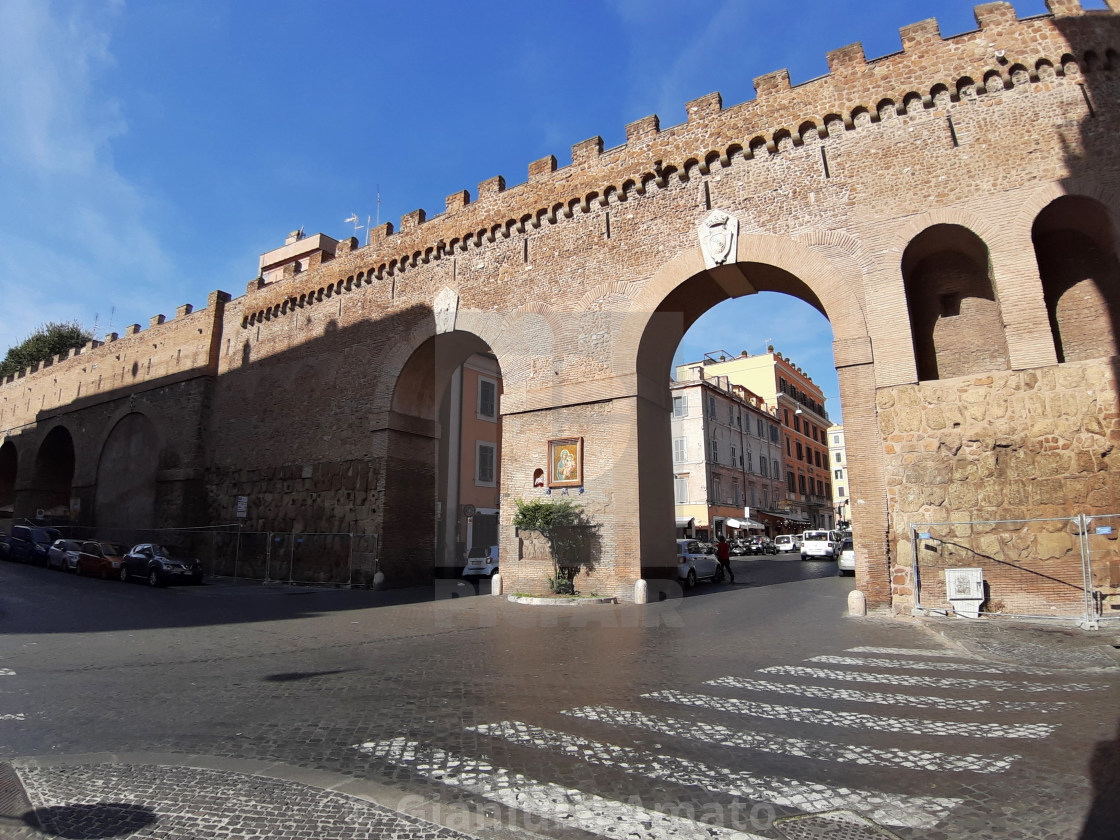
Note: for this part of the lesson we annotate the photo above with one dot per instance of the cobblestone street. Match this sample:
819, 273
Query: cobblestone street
753, 710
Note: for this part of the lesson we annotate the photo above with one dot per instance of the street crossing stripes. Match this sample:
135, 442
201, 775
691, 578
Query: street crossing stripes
859, 754
964, 684
609, 818
7, 672
853, 720
571, 808
809, 797
17, 716
916, 665
903, 651
827, 693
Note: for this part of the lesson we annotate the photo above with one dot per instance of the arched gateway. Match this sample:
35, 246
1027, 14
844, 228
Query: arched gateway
929, 203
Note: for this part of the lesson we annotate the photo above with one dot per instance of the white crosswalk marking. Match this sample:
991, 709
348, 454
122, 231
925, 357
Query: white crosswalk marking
853, 720
905, 651
828, 693
918, 665
963, 684
7, 672
799, 747
888, 809
17, 716
571, 808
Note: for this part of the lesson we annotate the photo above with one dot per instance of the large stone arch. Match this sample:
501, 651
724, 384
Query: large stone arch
682, 290
53, 474
410, 435
9, 473
126, 493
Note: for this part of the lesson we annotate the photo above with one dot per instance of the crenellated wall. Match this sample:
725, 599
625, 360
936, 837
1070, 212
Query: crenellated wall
317, 395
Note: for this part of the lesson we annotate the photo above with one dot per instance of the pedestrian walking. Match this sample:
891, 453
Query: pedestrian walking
723, 554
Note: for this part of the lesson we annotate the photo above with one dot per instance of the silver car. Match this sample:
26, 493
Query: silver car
693, 564
847, 560
63, 555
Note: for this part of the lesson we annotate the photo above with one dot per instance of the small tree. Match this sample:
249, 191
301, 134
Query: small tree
49, 340
567, 532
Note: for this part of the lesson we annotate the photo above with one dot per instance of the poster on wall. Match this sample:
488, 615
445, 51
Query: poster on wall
565, 462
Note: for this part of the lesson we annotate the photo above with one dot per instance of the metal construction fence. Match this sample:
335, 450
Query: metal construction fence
1063, 568
268, 556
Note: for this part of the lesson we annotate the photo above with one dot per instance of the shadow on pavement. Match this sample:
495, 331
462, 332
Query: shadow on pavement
103, 819
1103, 821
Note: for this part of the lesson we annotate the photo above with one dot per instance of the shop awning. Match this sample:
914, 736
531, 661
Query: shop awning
749, 524
685, 521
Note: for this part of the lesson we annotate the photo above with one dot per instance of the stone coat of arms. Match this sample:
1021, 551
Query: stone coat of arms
719, 234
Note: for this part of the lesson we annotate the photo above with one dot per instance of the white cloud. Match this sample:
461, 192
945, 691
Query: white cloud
74, 234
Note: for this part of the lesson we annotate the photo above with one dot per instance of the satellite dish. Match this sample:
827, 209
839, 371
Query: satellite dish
469, 511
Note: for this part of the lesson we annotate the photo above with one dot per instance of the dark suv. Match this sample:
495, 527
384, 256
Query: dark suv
29, 544
161, 565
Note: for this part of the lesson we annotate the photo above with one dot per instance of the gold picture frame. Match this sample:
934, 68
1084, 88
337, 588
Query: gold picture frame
565, 462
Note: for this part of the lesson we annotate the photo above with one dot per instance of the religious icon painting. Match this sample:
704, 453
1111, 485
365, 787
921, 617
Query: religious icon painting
565, 462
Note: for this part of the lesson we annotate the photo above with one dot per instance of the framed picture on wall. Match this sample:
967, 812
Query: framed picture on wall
565, 462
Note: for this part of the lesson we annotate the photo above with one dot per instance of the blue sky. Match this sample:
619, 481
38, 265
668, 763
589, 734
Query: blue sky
151, 151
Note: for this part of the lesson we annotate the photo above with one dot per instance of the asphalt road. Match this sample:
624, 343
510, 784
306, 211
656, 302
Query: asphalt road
249, 711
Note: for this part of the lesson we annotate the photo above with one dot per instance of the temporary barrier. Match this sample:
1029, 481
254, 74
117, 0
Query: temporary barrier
1061, 568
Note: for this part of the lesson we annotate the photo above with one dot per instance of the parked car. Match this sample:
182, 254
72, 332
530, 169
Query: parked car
30, 544
847, 561
694, 564
820, 545
482, 560
100, 559
740, 547
762, 545
63, 554
161, 565
788, 542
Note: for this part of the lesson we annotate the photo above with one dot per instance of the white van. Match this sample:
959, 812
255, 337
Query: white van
787, 542
820, 545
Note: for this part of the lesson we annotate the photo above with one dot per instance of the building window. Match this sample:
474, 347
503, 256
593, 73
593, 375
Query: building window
790, 484
836, 440
680, 489
487, 399
777, 472
763, 464
679, 449
837, 457
760, 426
716, 498
680, 406
730, 415
715, 451
735, 491
796, 423
801, 484
817, 457
484, 461
752, 495
838, 473
800, 452
712, 406
788, 452
820, 487
734, 456
750, 461
840, 490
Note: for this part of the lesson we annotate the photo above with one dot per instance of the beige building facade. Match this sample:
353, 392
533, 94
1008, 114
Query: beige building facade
726, 458
838, 463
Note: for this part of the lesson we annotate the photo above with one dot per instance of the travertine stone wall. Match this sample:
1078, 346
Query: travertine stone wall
1021, 445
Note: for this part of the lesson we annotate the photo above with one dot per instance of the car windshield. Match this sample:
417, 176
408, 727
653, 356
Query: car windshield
847, 546
172, 551
816, 535
113, 549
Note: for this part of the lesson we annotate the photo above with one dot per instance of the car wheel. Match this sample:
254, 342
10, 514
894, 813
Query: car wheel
690, 580
153, 578
124, 574
718, 576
